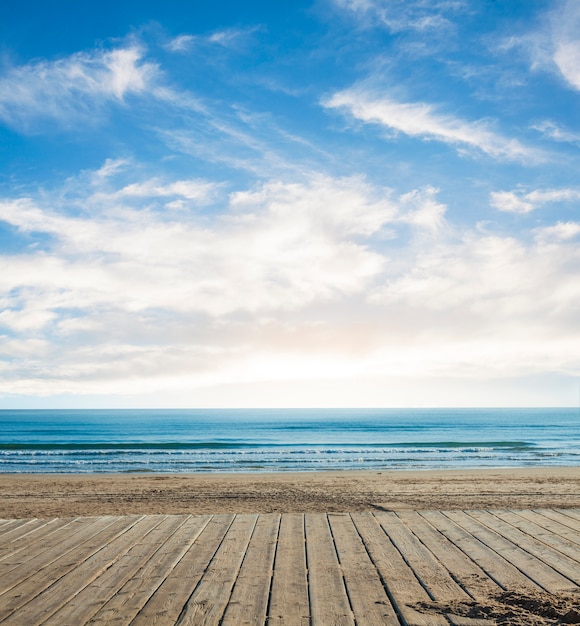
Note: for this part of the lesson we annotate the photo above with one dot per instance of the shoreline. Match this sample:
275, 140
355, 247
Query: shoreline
67, 495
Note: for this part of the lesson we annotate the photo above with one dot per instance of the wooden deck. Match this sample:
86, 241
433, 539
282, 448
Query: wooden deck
291, 569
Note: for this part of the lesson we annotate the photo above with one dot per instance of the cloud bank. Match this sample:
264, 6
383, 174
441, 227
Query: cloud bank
321, 277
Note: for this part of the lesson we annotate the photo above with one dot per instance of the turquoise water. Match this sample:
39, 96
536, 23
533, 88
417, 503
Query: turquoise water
250, 440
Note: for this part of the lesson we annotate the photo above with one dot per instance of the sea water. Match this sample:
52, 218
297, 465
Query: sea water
250, 440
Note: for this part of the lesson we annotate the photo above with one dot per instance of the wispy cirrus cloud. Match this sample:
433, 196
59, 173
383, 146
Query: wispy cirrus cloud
522, 202
557, 132
554, 46
422, 120
225, 38
181, 43
73, 87
402, 15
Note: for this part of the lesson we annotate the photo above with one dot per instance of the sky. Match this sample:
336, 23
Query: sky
306, 203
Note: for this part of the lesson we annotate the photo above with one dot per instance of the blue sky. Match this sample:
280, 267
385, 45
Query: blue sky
307, 203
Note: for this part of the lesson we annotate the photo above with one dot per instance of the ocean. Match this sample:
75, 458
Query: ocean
277, 440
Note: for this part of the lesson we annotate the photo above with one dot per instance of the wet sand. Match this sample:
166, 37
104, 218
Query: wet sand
43, 495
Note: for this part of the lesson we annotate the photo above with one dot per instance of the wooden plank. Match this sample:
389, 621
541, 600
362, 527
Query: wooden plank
35, 540
17, 568
398, 579
368, 598
567, 567
568, 527
534, 569
430, 572
20, 528
19, 533
573, 513
543, 529
249, 600
202, 570
560, 516
166, 604
42, 554
31, 582
134, 594
8, 524
289, 604
92, 597
207, 603
3, 525
461, 567
495, 566
44, 604
329, 603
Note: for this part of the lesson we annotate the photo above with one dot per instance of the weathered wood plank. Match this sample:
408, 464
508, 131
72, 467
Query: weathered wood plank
368, 598
560, 516
44, 604
534, 569
60, 539
208, 601
398, 579
90, 599
573, 513
290, 570
248, 603
289, 604
544, 529
495, 566
567, 570
31, 535
20, 528
61, 553
9, 524
134, 594
430, 572
461, 567
329, 603
166, 604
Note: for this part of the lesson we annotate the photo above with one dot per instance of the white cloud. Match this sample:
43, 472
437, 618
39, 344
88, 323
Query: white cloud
287, 281
510, 202
567, 58
181, 43
198, 190
482, 290
557, 132
566, 41
525, 202
230, 37
281, 245
111, 167
562, 231
555, 45
226, 38
73, 87
423, 121
402, 15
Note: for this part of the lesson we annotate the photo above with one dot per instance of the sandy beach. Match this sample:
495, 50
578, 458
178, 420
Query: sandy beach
34, 495
416, 547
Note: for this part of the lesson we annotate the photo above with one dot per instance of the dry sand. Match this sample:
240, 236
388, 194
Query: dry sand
35, 495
